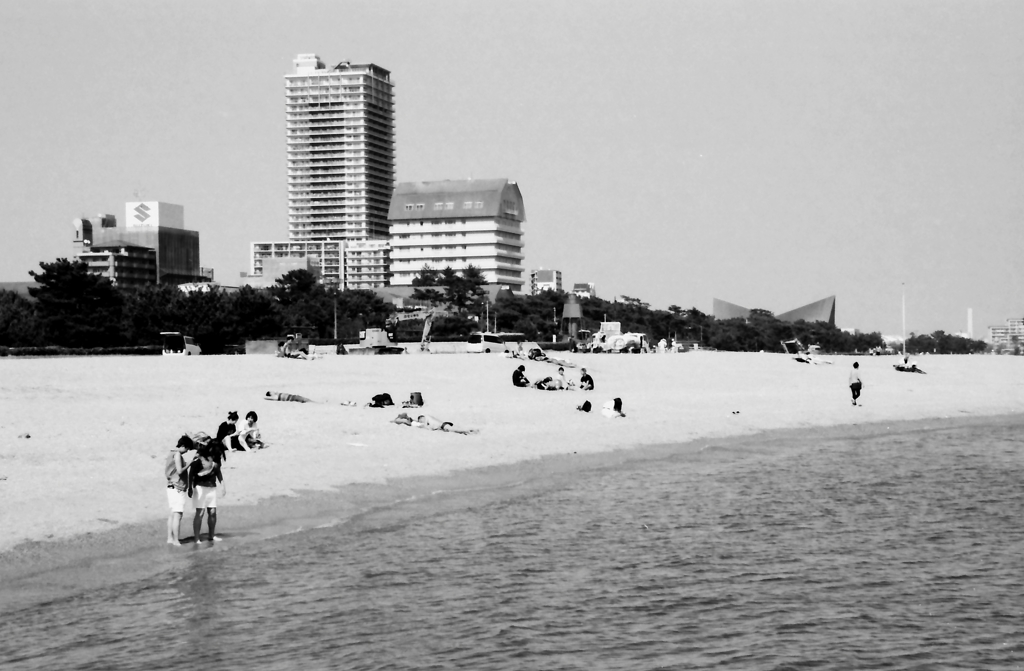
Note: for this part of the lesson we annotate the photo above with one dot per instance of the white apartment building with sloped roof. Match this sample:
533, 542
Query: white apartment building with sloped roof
458, 223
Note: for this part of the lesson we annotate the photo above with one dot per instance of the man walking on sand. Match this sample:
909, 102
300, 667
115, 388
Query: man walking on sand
855, 383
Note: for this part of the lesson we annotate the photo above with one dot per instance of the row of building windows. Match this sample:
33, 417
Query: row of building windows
468, 205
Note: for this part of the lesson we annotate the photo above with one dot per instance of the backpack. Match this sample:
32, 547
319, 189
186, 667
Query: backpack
381, 400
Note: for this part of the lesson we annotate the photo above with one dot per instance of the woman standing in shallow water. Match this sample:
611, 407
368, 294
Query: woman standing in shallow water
177, 486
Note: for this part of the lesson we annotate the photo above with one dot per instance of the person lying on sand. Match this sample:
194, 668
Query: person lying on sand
613, 409
432, 423
281, 396
554, 383
545, 384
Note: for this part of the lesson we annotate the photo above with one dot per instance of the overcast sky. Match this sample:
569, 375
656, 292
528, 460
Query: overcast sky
766, 153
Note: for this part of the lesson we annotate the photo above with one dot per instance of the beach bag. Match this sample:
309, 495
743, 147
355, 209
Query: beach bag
381, 401
415, 400
585, 407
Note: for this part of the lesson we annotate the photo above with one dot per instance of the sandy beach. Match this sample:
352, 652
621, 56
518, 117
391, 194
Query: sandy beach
83, 440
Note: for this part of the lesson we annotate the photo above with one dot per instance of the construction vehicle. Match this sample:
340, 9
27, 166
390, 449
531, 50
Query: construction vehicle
610, 338
803, 354
375, 341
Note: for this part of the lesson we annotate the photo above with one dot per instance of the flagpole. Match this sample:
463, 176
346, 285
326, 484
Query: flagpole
904, 319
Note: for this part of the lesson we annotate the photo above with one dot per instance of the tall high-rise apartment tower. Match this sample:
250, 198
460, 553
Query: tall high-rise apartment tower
341, 150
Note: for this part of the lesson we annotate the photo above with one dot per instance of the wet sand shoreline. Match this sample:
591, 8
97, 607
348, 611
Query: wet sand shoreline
87, 486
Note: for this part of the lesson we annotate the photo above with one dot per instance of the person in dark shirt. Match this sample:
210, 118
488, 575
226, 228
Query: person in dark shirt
519, 377
222, 443
205, 476
586, 382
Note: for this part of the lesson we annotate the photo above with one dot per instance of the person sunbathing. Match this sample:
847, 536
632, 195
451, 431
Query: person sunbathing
431, 423
281, 396
613, 409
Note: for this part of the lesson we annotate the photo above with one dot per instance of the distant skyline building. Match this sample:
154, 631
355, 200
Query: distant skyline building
1012, 333
818, 311
458, 223
545, 280
367, 264
584, 290
153, 247
341, 150
327, 256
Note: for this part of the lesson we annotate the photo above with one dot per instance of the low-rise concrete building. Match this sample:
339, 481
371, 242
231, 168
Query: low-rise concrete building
118, 251
545, 280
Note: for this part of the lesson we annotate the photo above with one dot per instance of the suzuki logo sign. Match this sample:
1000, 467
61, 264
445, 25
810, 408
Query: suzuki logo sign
142, 212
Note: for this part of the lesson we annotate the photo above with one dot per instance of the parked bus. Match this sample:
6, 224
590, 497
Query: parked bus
176, 344
494, 342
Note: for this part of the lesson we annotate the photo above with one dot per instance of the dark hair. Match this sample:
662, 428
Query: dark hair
185, 441
252, 414
856, 365
233, 416
521, 367
618, 405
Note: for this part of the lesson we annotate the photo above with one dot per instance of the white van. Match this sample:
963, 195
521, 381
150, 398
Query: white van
176, 344
494, 342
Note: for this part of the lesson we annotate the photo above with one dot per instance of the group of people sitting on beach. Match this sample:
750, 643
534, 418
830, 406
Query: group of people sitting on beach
193, 472
291, 349
556, 382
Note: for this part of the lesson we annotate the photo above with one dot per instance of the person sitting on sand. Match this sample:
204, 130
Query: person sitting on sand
586, 382
248, 436
431, 423
613, 409
225, 431
175, 469
291, 350
519, 377
558, 382
281, 396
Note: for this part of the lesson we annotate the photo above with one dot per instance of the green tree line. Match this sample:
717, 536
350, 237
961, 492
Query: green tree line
73, 308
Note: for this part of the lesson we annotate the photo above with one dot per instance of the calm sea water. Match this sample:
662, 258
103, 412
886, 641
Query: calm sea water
903, 551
